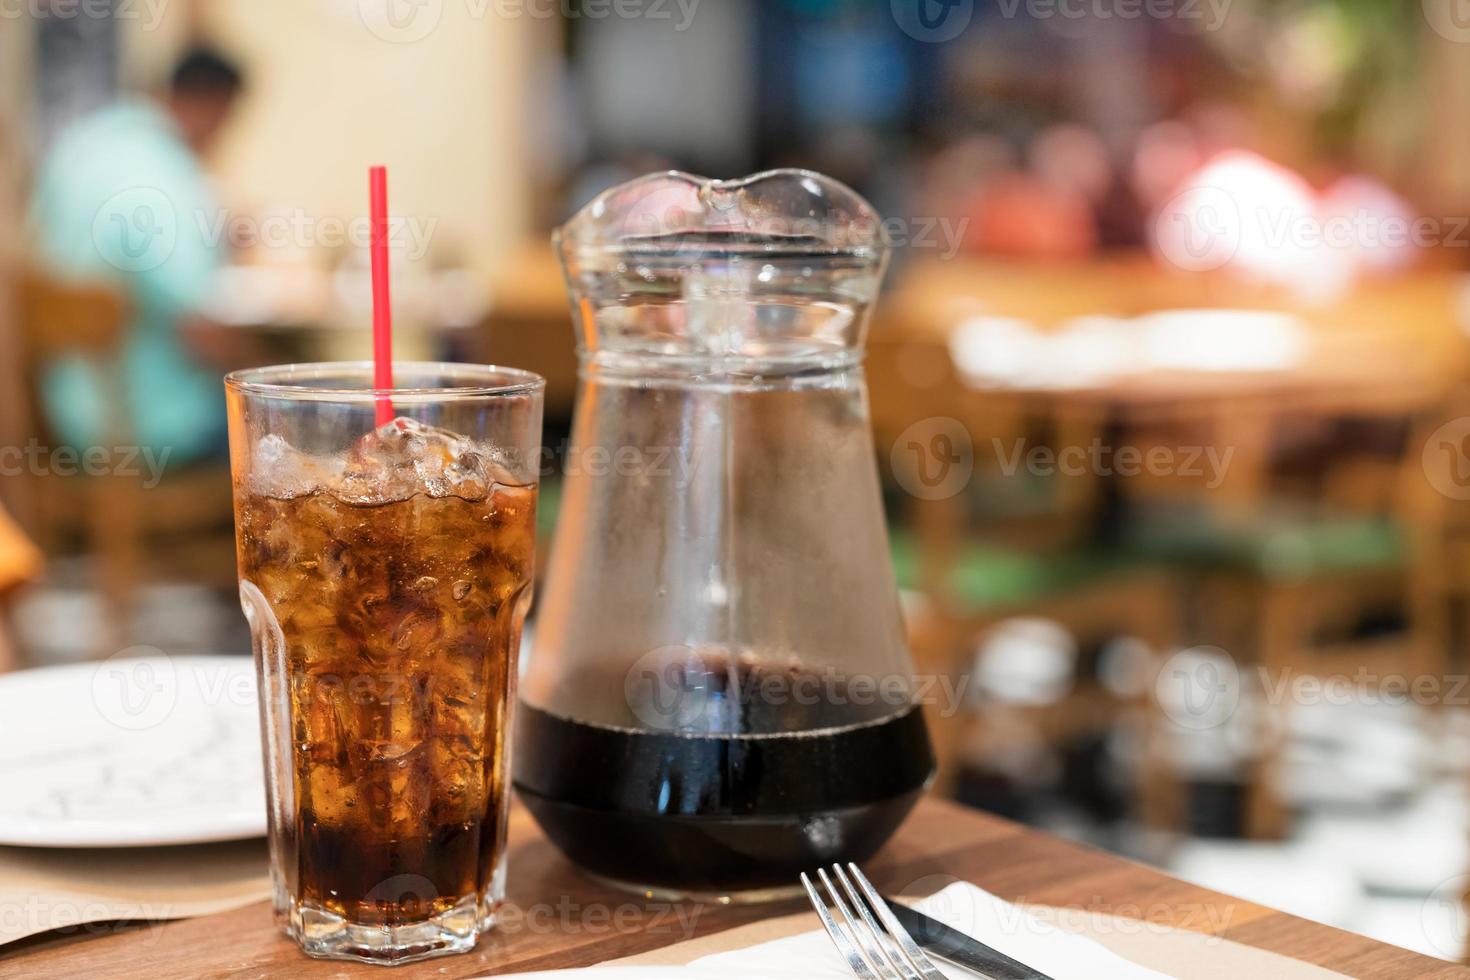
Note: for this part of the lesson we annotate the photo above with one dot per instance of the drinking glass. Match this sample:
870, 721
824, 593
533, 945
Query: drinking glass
385, 570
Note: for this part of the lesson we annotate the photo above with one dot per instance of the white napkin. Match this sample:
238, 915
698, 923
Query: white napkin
811, 956
973, 911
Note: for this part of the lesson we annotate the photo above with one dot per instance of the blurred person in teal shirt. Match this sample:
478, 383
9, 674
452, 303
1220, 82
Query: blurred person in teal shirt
123, 196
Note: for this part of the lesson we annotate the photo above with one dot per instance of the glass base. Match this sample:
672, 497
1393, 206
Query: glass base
327, 935
657, 893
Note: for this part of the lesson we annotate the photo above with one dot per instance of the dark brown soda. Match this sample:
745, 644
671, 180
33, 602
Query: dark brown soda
788, 789
399, 623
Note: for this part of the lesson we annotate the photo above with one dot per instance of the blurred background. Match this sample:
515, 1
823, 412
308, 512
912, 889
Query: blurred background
1169, 382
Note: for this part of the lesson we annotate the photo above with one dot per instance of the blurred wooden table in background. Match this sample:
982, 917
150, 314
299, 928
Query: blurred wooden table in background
1398, 339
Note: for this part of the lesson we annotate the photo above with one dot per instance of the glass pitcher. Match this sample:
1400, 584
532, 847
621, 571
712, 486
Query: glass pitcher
720, 695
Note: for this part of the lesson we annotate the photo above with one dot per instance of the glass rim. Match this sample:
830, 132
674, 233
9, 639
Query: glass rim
466, 381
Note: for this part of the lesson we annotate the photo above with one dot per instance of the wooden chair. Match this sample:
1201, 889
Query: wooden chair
114, 516
977, 569
1446, 519
1275, 568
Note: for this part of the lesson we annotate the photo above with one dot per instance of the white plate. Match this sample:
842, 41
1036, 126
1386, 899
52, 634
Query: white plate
131, 751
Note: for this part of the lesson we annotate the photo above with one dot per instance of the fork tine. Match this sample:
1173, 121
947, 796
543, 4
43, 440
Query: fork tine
855, 961
868, 940
926, 966
895, 956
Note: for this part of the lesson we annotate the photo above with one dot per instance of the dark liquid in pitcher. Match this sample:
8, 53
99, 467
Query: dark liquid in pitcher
726, 812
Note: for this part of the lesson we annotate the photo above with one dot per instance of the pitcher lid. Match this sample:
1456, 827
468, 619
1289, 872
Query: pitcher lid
784, 212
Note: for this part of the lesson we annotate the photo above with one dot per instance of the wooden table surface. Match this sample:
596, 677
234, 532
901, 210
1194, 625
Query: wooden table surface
561, 919
1398, 340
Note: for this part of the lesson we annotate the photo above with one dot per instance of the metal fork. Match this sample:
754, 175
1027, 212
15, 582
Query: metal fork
875, 949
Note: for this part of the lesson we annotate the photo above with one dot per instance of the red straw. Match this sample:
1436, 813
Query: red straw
382, 308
